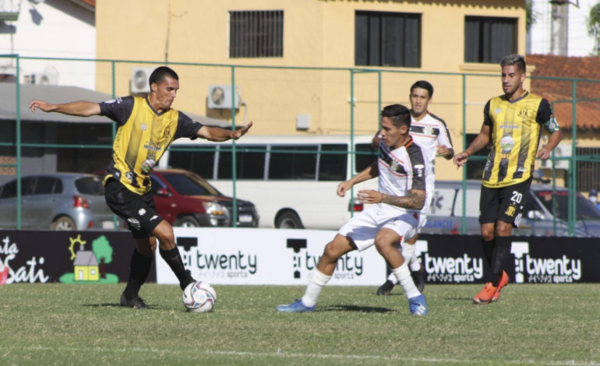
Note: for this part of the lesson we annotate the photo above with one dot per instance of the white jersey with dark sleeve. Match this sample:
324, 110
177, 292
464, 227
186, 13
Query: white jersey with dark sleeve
401, 170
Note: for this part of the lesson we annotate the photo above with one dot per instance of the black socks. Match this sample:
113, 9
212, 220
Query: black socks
499, 255
174, 261
139, 269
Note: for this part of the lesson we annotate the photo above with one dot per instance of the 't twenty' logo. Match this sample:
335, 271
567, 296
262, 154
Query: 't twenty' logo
559, 270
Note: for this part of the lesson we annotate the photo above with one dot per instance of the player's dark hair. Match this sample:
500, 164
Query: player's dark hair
514, 59
398, 114
422, 84
159, 74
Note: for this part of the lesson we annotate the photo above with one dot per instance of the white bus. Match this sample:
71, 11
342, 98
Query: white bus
292, 180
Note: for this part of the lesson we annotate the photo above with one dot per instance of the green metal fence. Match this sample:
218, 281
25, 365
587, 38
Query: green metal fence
339, 100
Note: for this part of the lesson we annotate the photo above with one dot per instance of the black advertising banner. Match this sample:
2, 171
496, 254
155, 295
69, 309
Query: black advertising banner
66, 256
459, 259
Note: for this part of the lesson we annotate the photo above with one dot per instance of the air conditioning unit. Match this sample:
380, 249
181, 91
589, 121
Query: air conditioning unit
560, 151
220, 96
42, 79
139, 80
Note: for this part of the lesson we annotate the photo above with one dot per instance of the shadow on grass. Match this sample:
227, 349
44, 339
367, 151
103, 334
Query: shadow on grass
114, 305
361, 309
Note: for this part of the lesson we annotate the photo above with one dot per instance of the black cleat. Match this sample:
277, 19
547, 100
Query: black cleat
419, 278
385, 289
136, 302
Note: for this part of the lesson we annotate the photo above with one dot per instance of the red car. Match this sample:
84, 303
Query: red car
185, 199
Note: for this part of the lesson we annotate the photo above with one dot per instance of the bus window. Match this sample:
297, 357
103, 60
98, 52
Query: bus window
365, 155
293, 162
250, 162
333, 162
198, 160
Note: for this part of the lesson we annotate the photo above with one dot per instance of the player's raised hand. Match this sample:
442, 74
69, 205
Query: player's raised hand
343, 188
544, 153
39, 104
242, 131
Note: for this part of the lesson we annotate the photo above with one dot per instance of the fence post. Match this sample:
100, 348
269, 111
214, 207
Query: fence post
463, 229
233, 157
18, 152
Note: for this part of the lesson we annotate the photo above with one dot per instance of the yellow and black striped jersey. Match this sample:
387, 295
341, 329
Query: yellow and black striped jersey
142, 137
516, 130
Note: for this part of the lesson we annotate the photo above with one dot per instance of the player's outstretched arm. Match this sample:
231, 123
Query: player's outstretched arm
415, 200
220, 134
371, 171
79, 108
479, 143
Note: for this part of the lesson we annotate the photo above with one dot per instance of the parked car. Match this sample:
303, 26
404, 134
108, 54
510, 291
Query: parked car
446, 211
185, 199
60, 201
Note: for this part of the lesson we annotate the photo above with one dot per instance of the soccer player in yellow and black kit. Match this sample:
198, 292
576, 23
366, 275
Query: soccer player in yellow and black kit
147, 126
512, 123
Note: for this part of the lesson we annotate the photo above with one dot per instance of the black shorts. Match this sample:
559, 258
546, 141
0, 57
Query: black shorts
137, 210
504, 204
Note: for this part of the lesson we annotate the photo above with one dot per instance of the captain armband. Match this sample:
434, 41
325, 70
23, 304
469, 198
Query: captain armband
552, 125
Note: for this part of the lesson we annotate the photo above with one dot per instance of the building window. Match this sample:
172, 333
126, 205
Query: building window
488, 39
256, 34
387, 39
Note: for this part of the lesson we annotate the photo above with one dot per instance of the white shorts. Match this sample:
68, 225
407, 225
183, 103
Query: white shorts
422, 222
363, 227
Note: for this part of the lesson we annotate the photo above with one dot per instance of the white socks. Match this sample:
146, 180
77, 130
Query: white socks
313, 290
408, 252
403, 276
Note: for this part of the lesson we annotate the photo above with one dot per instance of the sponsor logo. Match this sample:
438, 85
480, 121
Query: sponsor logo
129, 175
449, 269
142, 212
118, 100
529, 269
152, 147
348, 266
148, 165
498, 110
506, 144
134, 223
419, 168
27, 273
509, 127
90, 265
216, 265
144, 127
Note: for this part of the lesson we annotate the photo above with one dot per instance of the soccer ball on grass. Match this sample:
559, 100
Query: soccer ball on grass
199, 297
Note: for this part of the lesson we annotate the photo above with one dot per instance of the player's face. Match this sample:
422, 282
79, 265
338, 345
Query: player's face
512, 79
419, 101
166, 91
392, 136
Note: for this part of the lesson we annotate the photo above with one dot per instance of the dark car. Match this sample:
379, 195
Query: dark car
185, 199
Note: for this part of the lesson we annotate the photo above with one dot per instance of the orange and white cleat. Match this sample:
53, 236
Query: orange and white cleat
486, 295
502, 284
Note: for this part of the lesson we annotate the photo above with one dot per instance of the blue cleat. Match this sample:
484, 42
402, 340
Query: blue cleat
295, 307
418, 305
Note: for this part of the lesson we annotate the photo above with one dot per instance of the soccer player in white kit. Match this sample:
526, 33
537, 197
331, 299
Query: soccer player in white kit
431, 134
394, 213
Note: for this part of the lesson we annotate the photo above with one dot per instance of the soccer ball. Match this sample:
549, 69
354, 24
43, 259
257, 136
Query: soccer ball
199, 297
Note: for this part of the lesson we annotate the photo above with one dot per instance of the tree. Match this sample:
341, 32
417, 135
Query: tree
593, 25
103, 252
530, 18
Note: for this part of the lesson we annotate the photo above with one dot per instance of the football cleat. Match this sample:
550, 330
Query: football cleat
385, 289
418, 305
485, 296
296, 307
136, 302
502, 284
419, 278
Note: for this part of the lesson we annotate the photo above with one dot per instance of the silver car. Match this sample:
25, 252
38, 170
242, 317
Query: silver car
60, 201
446, 211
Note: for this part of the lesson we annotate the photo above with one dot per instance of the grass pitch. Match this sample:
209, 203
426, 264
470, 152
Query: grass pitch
56, 324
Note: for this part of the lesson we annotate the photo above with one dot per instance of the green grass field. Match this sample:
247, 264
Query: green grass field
57, 324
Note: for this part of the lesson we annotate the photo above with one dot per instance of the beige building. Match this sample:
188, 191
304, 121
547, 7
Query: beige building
295, 57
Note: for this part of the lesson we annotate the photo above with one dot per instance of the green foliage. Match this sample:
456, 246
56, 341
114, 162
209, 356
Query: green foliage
593, 26
102, 249
530, 15
57, 324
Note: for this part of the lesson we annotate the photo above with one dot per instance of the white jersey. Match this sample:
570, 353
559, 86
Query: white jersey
401, 170
428, 133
